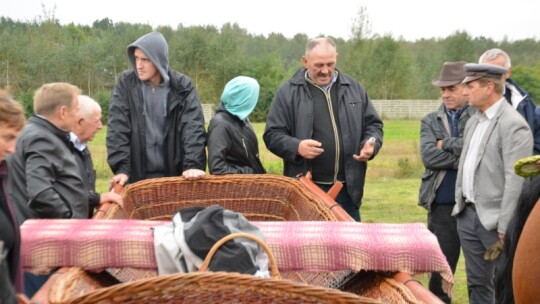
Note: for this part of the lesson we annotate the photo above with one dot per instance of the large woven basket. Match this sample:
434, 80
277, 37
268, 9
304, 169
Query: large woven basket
257, 197
219, 287
216, 287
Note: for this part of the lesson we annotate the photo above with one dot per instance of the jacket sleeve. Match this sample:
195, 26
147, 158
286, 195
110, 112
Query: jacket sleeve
433, 157
279, 127
219, 146
453, 145
93, 199
40, 168
193, 133
119, 129
373, 126
517, 142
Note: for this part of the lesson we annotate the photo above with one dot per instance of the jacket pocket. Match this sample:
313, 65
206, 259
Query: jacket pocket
426, 194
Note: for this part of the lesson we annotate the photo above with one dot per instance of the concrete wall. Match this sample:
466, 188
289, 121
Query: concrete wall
387, 109
208, 111
405, 109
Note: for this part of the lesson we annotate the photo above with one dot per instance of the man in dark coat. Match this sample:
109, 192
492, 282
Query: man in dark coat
441, 141
156, 122
322, 120
88, 124
514, 95
45, 180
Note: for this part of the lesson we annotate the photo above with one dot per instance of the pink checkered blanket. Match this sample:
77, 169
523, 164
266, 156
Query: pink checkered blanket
297, 246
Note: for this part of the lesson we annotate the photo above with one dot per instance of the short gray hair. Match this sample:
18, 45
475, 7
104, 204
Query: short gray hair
495, 53
312, 43
87, 105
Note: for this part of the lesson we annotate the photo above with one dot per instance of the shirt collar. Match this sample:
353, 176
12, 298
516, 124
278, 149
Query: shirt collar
76, 142
491, 111
331, 82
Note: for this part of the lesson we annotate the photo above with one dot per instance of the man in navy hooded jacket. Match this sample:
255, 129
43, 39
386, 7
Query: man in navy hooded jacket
156, 122
516, 96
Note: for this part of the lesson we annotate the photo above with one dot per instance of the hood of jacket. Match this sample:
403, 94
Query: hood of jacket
155, 47
240, 96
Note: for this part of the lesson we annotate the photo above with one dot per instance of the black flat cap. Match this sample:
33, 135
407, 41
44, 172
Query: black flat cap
476, 71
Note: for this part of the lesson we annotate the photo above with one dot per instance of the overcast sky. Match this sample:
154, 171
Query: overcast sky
409, 19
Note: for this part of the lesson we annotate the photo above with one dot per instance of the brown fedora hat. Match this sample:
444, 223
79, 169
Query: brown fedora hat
452, 73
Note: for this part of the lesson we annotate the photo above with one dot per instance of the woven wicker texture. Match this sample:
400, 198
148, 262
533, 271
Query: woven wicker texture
216, 287
378, 286
76, 282
258, 198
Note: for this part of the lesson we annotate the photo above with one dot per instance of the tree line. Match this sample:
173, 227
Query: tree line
40, 51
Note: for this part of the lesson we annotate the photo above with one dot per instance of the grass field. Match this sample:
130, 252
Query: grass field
391, 190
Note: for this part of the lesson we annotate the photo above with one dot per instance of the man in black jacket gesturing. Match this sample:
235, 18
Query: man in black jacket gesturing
322, 120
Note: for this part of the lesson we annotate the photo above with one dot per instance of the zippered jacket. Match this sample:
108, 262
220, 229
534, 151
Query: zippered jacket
290, 121
232, 145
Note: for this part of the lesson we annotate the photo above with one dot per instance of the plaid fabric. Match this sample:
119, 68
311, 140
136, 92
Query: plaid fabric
297, 246
90, 244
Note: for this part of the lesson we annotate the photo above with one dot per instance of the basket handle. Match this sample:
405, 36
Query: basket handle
274, 272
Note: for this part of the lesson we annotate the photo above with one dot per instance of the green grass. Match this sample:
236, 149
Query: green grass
391, 189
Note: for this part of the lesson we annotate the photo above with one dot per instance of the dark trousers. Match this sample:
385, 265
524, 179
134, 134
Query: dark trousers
345, 200
475, 239
444, 226
33, 282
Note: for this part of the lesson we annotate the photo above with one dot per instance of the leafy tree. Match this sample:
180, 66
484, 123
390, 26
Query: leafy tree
40, 51
529, 79
389, 70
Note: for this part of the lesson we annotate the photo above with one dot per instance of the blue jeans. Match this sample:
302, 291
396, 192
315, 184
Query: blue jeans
345, 200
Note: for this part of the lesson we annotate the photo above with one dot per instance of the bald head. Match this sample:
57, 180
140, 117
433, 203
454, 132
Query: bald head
89, 119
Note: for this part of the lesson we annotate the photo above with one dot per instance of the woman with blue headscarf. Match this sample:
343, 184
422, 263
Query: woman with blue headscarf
232, 143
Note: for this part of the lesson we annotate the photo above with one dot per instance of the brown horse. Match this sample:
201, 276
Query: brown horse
527, 261
522, 264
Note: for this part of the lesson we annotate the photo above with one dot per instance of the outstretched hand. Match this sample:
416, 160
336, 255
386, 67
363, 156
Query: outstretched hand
366, 152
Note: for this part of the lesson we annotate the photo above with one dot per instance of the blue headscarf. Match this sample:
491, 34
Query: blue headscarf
240, 96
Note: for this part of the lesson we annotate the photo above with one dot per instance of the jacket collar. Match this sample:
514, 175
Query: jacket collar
299, 79
229, 116
40, 121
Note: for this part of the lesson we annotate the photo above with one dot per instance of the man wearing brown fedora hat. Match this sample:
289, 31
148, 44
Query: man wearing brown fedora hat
440, 147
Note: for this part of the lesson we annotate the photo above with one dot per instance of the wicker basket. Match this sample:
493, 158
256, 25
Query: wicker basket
257, 197
216, 287
219, 287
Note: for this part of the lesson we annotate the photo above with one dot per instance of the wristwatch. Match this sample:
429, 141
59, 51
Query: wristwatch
372, 140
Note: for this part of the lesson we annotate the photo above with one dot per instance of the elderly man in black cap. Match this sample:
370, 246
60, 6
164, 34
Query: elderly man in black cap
441, 142
487, 189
